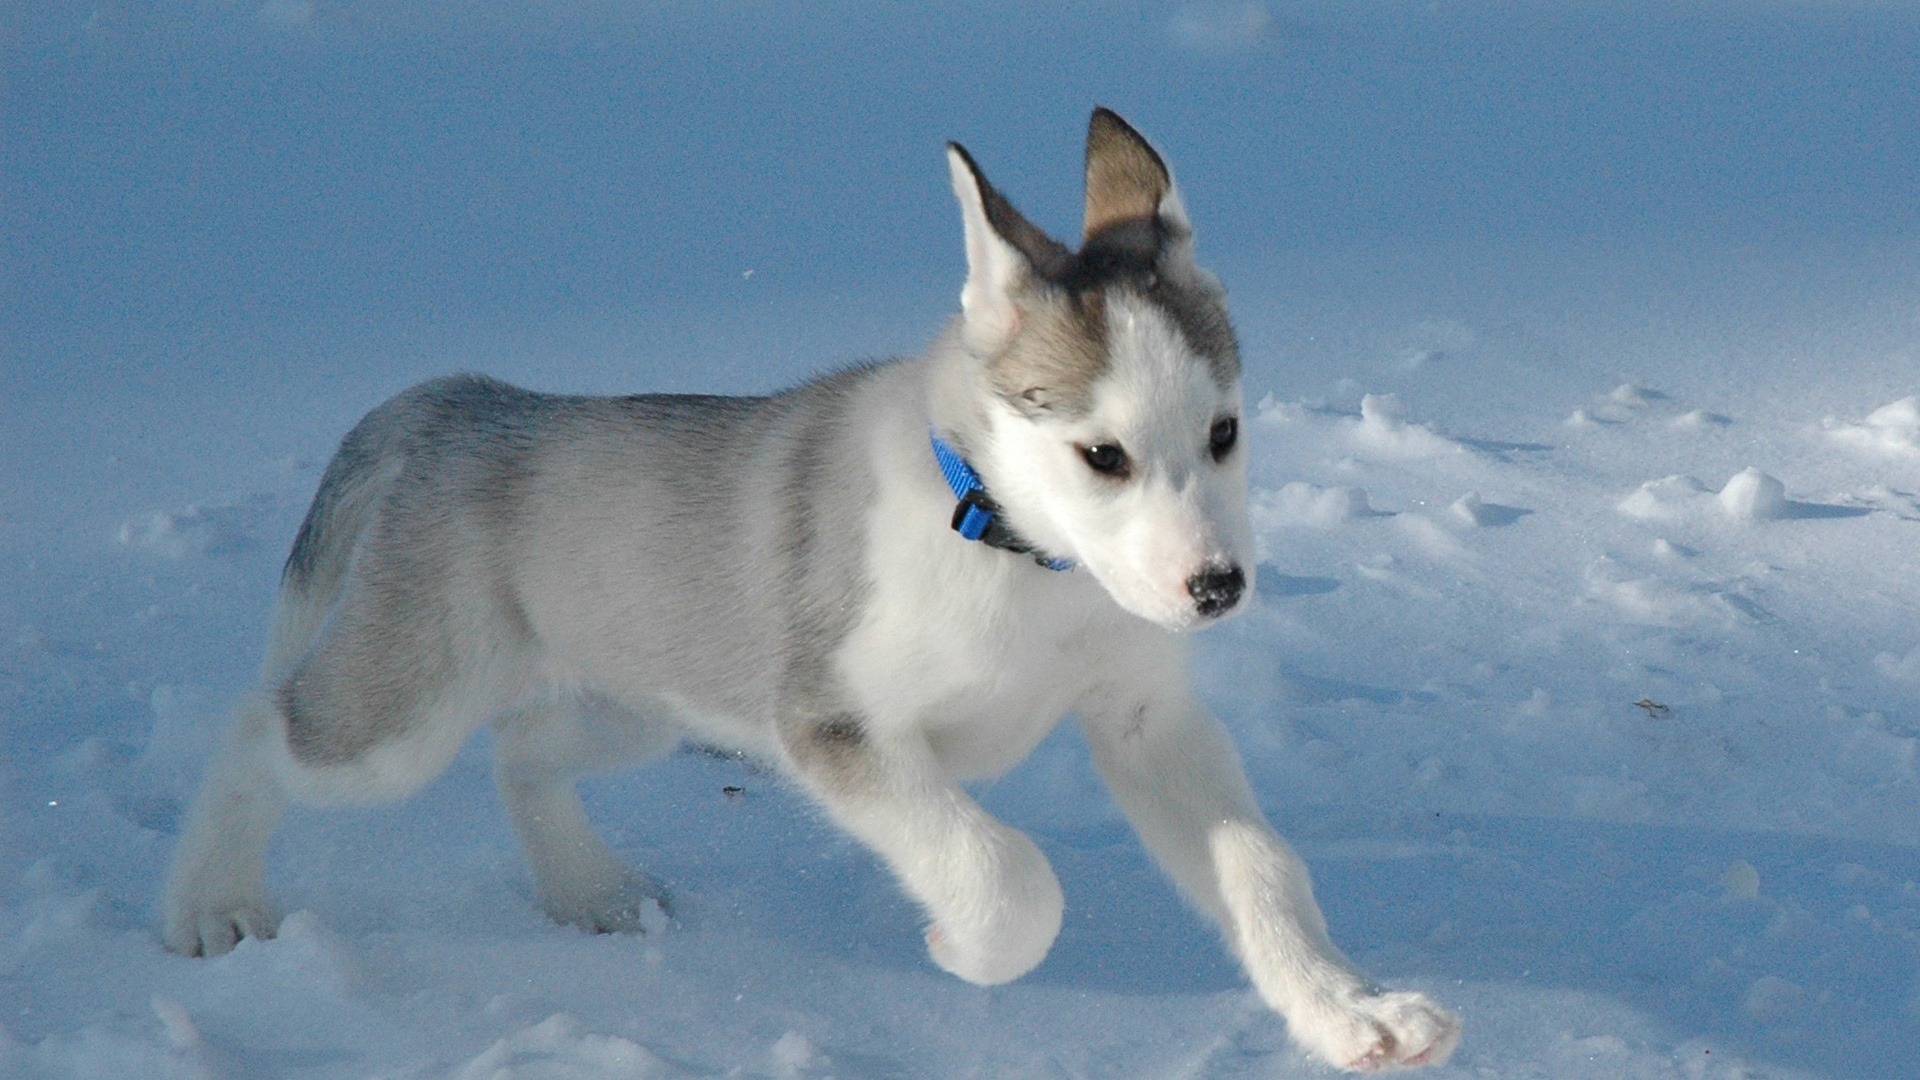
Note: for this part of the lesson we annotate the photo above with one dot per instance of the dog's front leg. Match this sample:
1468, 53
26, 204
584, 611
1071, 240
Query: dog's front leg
1172, 769
994, 902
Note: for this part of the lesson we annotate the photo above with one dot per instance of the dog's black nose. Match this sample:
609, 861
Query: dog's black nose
1215, 591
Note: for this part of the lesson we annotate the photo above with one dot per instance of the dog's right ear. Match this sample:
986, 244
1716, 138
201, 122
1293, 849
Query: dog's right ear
1005, 255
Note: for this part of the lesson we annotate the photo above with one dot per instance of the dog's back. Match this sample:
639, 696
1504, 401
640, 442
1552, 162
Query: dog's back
473, 542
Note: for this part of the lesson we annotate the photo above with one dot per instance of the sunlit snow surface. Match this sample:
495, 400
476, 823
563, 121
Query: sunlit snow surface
1583, 368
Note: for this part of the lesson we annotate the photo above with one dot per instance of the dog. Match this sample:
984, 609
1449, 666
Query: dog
887, 581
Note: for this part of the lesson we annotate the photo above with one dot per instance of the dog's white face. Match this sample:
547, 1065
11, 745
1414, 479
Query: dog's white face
1111, 379
1147, 488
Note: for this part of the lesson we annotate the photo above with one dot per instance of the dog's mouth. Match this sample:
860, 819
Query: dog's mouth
1211, 595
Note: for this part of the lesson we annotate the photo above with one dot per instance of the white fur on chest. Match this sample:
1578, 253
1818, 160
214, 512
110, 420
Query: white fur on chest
983, 679
978, 649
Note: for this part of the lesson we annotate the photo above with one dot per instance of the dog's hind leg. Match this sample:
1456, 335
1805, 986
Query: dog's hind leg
371, 711
216, 892
540, 748
216, 889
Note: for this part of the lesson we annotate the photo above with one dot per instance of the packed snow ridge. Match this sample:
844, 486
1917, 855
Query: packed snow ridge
1890, 430
1749, 495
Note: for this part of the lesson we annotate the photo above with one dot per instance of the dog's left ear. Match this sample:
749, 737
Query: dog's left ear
1006, 255
1128, 181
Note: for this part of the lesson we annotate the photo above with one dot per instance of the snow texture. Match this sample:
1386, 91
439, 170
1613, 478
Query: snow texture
1585, 663
1892, 430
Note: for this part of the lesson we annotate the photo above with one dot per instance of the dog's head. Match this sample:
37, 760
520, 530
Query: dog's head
1112, 429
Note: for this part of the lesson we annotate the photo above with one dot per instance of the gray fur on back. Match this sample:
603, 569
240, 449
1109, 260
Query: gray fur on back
477, 542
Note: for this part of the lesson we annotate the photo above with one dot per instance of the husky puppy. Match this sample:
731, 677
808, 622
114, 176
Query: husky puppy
888, 581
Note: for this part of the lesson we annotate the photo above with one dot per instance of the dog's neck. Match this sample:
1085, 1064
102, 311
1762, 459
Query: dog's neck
976, 516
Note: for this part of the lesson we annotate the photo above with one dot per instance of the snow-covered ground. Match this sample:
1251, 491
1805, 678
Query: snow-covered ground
1585, 669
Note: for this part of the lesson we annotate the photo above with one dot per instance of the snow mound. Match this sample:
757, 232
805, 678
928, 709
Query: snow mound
1866, 752
1749, 496
1624, 403
560, 1048
1634, 396
1656, 601
305, 956
200, 529
794, 1057
58, 913
1300, 503
1470, 509
1752, 495
1664, 499
1436, 339
1901, 669
1380, 433
103, 1051
1631, 402
1384, 429
1890, 430
1695, 419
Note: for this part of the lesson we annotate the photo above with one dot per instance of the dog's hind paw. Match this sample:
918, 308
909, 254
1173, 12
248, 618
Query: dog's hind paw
633, 904
1372, 1032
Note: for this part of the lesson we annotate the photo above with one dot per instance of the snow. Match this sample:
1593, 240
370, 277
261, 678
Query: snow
1584, 668
1892, 429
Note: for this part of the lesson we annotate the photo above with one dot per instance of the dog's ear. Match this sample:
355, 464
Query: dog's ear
1005, 254
1128, 181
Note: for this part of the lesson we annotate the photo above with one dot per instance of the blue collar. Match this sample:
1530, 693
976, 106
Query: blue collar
977, 516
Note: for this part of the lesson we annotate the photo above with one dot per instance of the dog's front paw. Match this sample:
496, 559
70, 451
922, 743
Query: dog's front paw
1004, 922
213, 929
631, 903
1368, 1032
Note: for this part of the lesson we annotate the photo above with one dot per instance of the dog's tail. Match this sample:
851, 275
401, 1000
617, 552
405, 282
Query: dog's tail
355, 483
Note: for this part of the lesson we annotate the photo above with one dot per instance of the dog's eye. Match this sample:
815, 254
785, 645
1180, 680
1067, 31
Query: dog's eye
1105, 459
1226, 432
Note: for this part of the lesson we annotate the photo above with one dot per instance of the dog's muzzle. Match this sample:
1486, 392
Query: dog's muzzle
1216, 591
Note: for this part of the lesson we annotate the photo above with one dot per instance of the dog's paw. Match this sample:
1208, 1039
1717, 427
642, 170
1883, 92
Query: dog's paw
1005, 927
214, 929
1370, 1032
632, 903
